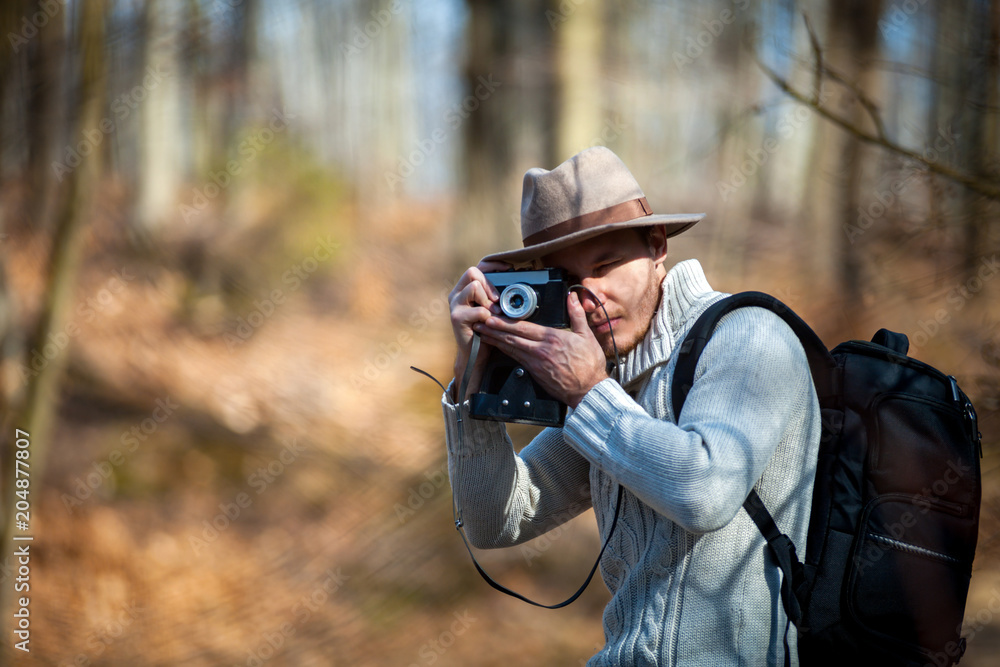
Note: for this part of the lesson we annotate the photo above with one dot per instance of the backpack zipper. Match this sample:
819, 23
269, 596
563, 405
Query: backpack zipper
906, 547
968, 413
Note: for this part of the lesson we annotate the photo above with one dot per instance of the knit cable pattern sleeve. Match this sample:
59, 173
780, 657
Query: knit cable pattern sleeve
508, 498
698, 473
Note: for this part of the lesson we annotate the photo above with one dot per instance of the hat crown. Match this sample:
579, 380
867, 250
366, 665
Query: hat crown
593, 180
590, 194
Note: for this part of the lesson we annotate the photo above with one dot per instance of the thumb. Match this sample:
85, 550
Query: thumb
577, 315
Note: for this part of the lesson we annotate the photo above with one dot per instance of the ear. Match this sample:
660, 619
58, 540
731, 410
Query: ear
657, 240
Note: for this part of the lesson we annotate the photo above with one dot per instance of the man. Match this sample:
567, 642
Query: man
691, 581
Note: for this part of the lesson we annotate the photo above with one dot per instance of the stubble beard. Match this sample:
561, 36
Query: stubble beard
644, 313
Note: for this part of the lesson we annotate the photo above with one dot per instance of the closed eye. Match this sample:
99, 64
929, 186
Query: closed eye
605, 266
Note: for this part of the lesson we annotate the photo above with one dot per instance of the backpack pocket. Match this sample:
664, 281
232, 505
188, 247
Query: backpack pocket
912, 448
907, 585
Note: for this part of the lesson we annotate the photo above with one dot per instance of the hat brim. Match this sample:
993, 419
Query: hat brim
674, 222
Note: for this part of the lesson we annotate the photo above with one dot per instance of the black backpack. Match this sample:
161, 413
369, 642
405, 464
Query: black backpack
895, 508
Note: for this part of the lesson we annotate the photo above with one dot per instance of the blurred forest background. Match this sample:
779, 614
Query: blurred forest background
227, 228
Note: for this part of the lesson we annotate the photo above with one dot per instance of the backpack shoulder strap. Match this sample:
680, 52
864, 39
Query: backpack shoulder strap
821, 362
822, 366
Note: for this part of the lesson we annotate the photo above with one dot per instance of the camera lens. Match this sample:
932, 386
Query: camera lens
518, 301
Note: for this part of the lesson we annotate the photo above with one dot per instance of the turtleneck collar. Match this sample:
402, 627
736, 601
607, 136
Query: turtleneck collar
685, 293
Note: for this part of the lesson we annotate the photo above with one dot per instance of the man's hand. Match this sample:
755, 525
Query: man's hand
473, 300
567, 363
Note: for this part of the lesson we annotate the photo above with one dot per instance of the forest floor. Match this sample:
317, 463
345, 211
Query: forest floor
260, 478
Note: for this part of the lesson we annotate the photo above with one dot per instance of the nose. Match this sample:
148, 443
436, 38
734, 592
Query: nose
592, 296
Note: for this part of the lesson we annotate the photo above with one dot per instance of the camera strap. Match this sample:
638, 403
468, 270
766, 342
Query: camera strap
503, 589
463, 386
457, 508
460, 527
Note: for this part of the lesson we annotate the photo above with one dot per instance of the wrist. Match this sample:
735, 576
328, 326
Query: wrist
575, 400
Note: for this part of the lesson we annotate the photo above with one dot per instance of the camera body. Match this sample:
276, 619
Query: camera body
507, 392
537, 296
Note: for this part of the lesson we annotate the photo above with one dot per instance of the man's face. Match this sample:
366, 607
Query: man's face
624, 271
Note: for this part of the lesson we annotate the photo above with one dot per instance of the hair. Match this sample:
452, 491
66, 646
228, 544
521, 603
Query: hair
646, 233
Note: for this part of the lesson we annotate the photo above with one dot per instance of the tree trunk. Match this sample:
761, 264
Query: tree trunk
854, 26
36, 413
980, 88
162, 141
579, 40
45, 58
935, 190
481, 225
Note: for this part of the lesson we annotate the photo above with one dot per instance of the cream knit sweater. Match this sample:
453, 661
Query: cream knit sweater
692, 584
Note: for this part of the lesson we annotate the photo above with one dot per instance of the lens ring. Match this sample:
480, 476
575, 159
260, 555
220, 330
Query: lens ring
518, 301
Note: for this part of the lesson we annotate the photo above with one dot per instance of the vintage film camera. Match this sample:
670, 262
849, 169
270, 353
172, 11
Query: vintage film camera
508, 393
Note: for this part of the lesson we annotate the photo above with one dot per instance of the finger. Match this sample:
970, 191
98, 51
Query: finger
519, 328
463, 281
513, 346
474, 275
488, 266
464, 319
478, 275
472, 294
479, 293
577, 315
470, 315
480, 270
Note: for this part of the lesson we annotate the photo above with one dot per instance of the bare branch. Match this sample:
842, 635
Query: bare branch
818, 80
991, 190
870, 106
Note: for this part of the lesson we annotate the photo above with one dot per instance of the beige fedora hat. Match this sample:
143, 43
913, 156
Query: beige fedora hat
589, 194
